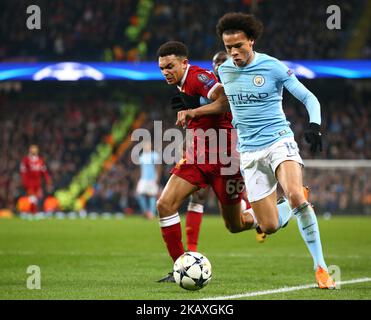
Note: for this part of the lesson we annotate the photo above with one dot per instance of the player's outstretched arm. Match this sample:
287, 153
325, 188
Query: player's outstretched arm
219, 105
313, 132
298, 90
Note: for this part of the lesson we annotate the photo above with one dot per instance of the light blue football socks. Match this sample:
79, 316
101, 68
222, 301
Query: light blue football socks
284, 213
152, 204
142, 203
309, 230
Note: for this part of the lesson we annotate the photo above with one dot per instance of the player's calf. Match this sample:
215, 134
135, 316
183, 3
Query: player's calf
235, 220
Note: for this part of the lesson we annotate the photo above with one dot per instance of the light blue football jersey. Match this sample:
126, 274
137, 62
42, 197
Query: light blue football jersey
255, 97
148, 162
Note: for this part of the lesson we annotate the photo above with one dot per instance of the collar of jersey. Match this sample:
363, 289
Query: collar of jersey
252, 63
184, 77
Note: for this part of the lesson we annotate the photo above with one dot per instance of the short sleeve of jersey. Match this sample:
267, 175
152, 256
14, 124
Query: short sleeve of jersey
203, 83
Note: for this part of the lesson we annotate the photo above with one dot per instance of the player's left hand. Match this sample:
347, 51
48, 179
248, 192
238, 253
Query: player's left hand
183, 116
313, 136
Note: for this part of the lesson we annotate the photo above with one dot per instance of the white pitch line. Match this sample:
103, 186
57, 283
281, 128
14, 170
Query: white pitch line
281, 290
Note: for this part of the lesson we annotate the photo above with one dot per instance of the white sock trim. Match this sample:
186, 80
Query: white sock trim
255, 223
243, 205
196, 207
169, 221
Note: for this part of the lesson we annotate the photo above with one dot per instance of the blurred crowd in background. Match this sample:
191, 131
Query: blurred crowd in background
67, 129
67, 124
101, 31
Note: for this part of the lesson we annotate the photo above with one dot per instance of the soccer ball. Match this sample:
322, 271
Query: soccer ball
192, 271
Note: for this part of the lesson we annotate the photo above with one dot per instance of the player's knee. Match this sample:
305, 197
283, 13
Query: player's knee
296, 198
268, 227
164, 207
198, 197
233, 228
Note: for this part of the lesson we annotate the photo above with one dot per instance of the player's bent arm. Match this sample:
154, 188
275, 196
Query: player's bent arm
298, 90
219, 105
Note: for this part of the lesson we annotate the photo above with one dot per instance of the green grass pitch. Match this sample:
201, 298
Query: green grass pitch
122, 259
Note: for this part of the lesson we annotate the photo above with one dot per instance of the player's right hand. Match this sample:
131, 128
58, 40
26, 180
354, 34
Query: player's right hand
183, 116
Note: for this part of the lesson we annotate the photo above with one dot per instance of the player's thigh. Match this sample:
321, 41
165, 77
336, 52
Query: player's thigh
229, 191
200, 195
286, 162
289, 175
176, 190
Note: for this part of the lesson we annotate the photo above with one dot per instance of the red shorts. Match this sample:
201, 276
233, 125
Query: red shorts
35, 191
228, 188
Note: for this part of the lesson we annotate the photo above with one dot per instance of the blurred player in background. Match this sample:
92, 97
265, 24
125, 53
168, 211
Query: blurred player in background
32, 169
218, 59
254, 83
148, 187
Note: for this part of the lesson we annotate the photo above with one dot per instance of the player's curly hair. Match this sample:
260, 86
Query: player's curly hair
177, 48
235, 22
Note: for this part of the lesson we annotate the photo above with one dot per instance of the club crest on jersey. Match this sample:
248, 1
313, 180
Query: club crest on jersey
203, 77
258, 80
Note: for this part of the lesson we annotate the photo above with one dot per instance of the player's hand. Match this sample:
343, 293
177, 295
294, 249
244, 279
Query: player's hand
183, 116
313, 136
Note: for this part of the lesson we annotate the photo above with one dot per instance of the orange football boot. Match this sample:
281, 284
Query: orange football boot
260, 235
324, 280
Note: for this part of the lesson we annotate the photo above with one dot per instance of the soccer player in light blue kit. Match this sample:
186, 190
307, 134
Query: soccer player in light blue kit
253, 83
147, 187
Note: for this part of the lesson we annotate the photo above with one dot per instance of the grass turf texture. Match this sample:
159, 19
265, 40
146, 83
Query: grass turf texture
122, 259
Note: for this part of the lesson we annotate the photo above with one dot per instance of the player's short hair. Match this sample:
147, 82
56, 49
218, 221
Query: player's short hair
220, 56
177, 48
235, 22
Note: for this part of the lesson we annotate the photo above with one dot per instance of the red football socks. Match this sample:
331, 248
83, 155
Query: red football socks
193, 223
172, 234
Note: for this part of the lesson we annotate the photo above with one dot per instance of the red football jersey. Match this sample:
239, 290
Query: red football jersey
198, 81
32, 169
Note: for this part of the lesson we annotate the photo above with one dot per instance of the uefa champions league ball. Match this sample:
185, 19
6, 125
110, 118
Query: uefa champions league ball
192, 271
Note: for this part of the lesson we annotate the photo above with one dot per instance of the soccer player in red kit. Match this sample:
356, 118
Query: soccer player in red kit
32, 169
187, 176
195, 208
